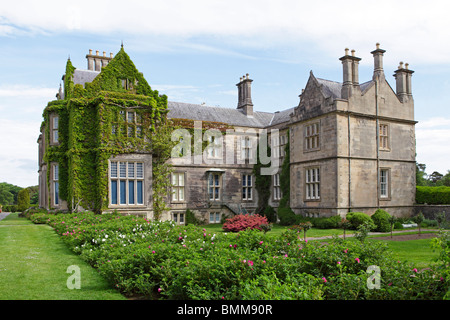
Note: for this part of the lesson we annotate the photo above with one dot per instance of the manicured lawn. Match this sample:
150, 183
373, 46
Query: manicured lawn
34, 262
418, 252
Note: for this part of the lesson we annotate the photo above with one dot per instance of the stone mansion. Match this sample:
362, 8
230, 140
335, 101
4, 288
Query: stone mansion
351, 145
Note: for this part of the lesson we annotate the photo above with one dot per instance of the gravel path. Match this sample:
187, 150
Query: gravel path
3, 215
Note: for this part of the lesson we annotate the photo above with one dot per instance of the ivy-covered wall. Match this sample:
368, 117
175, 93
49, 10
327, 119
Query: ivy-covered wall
93, 127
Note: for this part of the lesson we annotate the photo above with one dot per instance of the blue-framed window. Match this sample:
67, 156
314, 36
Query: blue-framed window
126, 183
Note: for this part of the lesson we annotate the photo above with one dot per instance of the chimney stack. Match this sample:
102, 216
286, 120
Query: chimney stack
403, 82
378, 72
350, 84
97, 61
245, 95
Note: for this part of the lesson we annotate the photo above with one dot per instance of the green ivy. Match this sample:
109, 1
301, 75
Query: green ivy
86, 139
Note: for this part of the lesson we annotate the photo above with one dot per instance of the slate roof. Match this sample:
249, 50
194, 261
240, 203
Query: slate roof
83, 76
281, 116
236, 117
182, 110
333, 88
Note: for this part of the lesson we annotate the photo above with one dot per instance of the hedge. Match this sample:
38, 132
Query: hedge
432, 195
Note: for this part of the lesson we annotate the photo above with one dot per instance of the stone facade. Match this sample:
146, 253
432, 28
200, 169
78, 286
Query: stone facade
366, 149
352, 148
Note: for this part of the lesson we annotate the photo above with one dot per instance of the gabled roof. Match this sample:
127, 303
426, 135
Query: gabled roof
281, 116
333, 89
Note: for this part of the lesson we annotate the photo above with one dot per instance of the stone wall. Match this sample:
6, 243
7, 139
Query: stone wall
430, 211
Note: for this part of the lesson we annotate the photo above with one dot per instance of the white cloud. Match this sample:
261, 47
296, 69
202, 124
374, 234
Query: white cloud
432, 144
414, 28
26, 91
19, 150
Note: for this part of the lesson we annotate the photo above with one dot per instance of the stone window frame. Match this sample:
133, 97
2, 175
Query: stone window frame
387, 183
132, 128
217, 216
178, 187
55, 184
384, 136
214, 149
179, 217
117, 177
54, 129
215, 186
314, 173
276, 187
247, 189
312, 133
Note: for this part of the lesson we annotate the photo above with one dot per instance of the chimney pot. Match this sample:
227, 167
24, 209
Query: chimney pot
90, 51
111, 54
353, 52
245, 96
406, 65
378, 45
104, 53
346, 51
96, 52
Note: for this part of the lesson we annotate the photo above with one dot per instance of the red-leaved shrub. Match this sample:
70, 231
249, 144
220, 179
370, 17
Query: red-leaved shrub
241, 222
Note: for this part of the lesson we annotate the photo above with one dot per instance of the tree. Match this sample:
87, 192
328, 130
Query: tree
6, 197
420, 174
440, 218
418, 219
14, 190
446, 179
392, 221
345, 224
23, 200
435, 178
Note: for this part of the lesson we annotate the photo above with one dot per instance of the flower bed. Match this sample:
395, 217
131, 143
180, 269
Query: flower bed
166, 261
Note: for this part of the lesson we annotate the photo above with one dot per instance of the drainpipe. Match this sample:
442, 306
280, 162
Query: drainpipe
349, 164
378, 144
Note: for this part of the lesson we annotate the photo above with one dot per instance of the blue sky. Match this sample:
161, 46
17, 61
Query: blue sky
195, 51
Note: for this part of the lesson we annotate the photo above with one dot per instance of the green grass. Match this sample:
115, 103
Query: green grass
34, 262
418, 252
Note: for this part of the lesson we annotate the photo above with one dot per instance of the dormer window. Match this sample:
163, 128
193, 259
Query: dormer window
127, 84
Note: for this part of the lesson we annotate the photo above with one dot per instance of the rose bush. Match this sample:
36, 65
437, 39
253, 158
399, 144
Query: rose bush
167, 261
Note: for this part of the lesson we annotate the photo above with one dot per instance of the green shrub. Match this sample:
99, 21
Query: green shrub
358, 218
270, 214
326, 222
381, 220
398, 225
23, 200
191, 218
287, 216
432, 195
